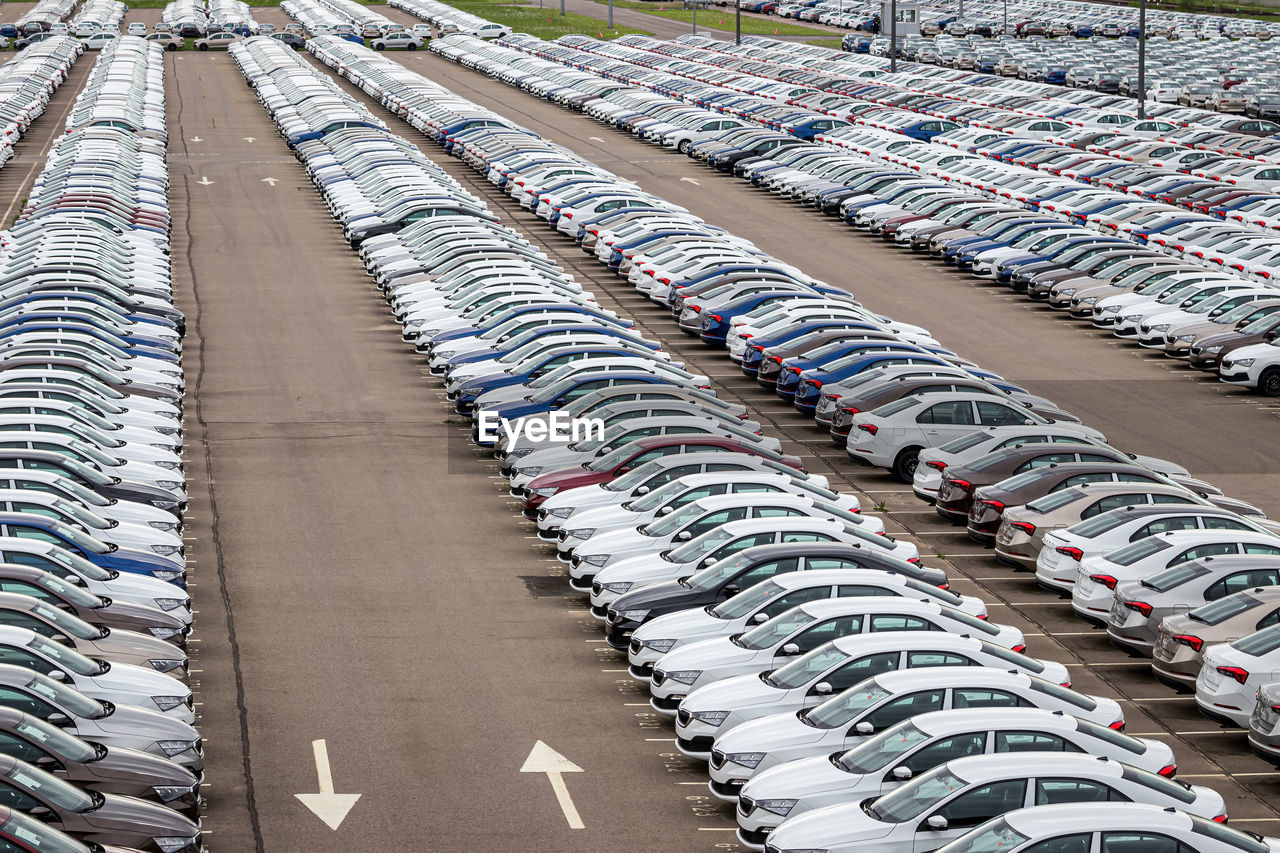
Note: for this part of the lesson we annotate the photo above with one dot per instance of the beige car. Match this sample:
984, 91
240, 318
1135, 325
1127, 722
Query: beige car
1023, 528
1179, 649
217, 41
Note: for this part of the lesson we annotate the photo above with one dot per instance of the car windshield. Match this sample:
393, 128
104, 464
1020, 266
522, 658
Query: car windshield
842, 708
636, 477
658, 496
1219, 611
59, 742
747, 601
1054, 500
612, 460
770, 633
68, 658
83, 540
67, 698
73, 625
88, 519
804, 669
52, 789
93, 453
1259, 327
77, 564
699, 546
715, 574
1140, 550
40, 838
882, 750
611, 435
86, 496
916, 797
994, 837
669, 524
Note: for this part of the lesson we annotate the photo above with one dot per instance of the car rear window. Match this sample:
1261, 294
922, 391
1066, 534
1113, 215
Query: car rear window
1111, 736
1021, 661
1174, 577
1054, 500
1224, 608
1099, 524
1180, 791
1143, 548
1063, 694
1231, 837
1260, 642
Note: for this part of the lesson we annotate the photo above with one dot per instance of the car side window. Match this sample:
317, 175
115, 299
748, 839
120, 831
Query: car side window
776, 512
16, 747
916, 660
764, 571
1212, 550
1164, 525
714, 520
997, 414
1081, 842
1212, 523
805, 537
947, 749
24, 588
892, 713
791, 599
7, 846
1168, 499
954, 412
1042, 461
17, 799
1032, 742
1052, 791
1026, 439
984, 802
813, 564
1236, 582
1112, 502
829, 630
1080, 480
855, 590
898, 622
26, 660
1138, 842
972, 697
1127, 477
1261, 549
862, 669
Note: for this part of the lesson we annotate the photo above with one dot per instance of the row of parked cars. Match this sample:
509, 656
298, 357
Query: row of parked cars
27, 82
514, 337
209, 18
1106, 207
449, 19
97, 744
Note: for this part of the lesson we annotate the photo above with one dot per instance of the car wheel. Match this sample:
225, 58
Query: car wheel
683, 147
204, 47
904, 467
1269, 382
379, 47
412, 46
171, 47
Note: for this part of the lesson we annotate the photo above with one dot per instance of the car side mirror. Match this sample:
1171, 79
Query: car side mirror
902, 774
1028, 422
41, 812
665, 510
710, 561
730, 590
624, 469
74, 579
760, 618
864, 728
558, 402
684, 536
643, 490
937, 823
58, 719
822, 688
791, 650
46, 761
1271, 336
58, 675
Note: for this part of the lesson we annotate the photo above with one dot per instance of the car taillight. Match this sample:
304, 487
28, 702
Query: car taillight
1169, 770
1025, 526
915, 560
941, 466
871, 428
694, 308
1106, 580
1191, 640
1140, 606
1240, 675
567, 215
1222, 818
962, 484
1020, 648
758, 348
1074, 553
717, 318
998, 506
1118, 725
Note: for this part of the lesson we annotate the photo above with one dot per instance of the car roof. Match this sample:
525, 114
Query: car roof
981, 768
1039, 821
935, 723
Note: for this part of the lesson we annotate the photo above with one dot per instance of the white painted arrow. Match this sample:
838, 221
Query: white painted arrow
271, 181
248, 139
196, 139
691, 181
595, 138
204, 181
544, 759
329, 807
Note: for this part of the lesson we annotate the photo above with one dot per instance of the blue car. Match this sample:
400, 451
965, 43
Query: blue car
716, 324
796, 335
926, 130
809, 389
521, 311
107, 556
833, 356
528, 370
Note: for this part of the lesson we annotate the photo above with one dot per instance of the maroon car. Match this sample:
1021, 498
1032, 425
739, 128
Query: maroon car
632, 455
1207, 352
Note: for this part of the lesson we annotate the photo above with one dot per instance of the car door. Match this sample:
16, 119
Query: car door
815, 635
1031, 741
1140, 842
1224, 586
758, 573
930, 756
968, 809
944, 421
896, 710
854, 672
1079, 842
991, 413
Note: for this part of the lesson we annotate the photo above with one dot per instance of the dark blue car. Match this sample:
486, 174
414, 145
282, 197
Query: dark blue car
107, 556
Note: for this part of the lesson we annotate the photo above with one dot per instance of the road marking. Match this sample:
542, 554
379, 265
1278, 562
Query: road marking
544, 759
692, 181
329, 807
271, 181
248, 138
196, 139
204, 181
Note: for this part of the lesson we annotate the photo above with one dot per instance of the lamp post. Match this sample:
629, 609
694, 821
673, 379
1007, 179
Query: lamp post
893, 36
611, 13
737, 22
1004, 31
695, 16
562, 8
1142, 59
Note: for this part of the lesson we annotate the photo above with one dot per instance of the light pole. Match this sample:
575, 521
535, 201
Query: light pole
893, 36
695, 16
1142, 59
737, 22
562, 8
611, 13
1004, 31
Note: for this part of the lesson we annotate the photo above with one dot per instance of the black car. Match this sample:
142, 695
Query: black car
728, 577
1263, 105
32, 39
294, 40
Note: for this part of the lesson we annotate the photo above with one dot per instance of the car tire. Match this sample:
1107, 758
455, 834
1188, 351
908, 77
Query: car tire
683, 147
1269, 382
204, 47
904, 466
379, 47
412, 46
171, 47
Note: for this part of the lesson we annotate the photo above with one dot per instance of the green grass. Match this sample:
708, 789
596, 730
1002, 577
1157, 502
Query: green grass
716, 18
833, 43
545, 22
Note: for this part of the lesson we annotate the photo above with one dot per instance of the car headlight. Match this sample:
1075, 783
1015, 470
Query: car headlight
166, 550
1244, 362
596, 559
171, 603
1132, 318
581, 533
684, 676
751, 760
1213, 349
175, 747
561, 512
530, 472
169, 793
546, 492
519, 452
659, 646
778, 807
171, 843
166, 576
164, 633
167, 485
163, 525
1161, 328
165, 664
165, 504
1111, 309
711, 718
473, 391
168, 464
1088, 300
167, 703
1187, 338
634, 615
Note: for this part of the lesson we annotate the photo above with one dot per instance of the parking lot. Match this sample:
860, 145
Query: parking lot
378, 624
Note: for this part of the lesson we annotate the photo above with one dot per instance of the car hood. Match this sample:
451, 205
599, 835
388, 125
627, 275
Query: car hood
131, 644
687, 626
620, 541
807, 777
704, 654
733, 694
581, 499
669, 595
774, 732
839, 825
134, 722
641, 568
569, 478
138, 817
122, 764
124, 677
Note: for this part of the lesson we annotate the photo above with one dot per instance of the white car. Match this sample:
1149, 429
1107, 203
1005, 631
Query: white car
801, 630
893, 435
883, 762
403, 40
1232, 673
137, 29
99, 40
1058, 564
128, 534
1255, 366
1092, 597
110, 682
1082, 827
952, 799
53, 483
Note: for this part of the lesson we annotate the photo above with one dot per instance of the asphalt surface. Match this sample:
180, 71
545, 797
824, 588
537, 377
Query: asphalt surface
360, 576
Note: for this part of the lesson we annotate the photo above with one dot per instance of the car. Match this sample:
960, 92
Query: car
1254, 366
1086, 826
1232, 673
1179, 652
216, 41
173, 626
292, 39
885, 761
949, 800
403, 40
